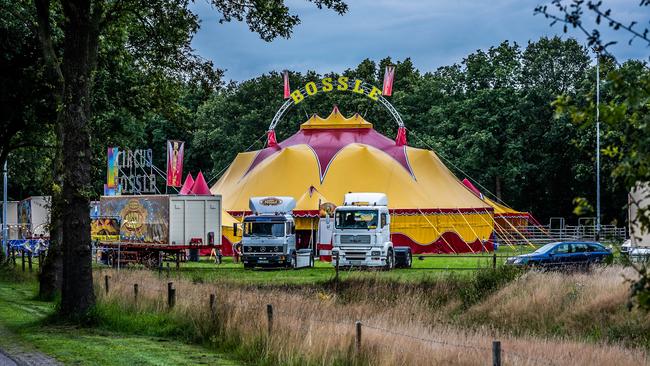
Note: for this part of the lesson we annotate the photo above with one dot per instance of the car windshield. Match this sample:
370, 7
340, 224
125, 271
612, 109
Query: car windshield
356, 219
264, 229
546, 248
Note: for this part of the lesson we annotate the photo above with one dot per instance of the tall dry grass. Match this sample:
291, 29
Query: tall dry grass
401, 328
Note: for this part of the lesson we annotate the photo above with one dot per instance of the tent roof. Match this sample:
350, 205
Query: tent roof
339, 160
335, 120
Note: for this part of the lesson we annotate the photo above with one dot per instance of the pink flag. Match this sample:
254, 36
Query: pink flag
187, 186
287, 89
389, 76
175, 150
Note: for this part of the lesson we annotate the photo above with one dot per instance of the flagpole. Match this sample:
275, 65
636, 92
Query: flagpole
597, 145
4, 209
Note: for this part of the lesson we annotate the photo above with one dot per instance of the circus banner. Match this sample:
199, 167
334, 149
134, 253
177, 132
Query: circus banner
175, 151
143, 219
389, 76
111, 177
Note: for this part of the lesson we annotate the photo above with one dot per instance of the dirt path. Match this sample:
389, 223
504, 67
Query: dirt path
12, 354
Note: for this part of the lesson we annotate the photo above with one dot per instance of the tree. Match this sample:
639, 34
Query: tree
83, 23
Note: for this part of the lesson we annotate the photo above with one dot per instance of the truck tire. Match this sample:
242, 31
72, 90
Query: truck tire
390, 260
311, 261
409, 260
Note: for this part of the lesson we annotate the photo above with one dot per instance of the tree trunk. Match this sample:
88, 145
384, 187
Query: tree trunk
52, 268
80, 41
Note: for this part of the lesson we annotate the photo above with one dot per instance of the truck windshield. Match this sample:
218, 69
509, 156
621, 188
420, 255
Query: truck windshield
264, 229
356, 219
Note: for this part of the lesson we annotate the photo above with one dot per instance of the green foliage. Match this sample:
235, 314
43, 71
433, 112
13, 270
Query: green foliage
486, 282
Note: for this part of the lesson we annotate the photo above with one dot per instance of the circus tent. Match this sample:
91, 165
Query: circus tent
431, 210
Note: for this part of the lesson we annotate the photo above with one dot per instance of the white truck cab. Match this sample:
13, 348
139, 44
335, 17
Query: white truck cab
361, 235
269, 238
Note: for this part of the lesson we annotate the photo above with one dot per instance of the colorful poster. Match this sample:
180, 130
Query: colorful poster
389, 76
287, 89
105, 229
175, 151
143, 219
111, 177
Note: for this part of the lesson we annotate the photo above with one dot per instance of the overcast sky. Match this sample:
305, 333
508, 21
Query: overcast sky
433, 33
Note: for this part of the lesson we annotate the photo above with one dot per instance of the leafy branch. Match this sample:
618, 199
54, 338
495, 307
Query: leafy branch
572, 14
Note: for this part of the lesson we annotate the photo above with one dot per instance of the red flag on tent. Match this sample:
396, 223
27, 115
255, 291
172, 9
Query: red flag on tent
389, 76
187, 186
472, 188
271, 140
287, 89
400, 140
200, 186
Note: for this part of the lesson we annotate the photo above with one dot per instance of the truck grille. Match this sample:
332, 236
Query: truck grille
262, 249
355, 239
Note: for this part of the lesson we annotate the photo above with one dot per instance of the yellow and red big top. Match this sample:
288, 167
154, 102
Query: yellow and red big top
431, 210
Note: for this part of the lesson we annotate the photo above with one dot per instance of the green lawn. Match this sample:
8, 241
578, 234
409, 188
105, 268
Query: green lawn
425, 267
21, 322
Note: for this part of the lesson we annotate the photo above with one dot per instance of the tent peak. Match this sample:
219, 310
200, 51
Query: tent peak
335, 120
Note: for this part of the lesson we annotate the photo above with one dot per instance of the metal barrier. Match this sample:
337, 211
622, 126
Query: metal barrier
553, 232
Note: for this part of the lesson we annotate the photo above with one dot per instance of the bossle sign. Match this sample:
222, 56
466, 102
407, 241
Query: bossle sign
342, 83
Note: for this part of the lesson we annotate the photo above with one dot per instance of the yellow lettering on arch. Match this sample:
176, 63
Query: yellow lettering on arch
297, 96
327, 84
311, 88
343, 83
374, 93
357, 87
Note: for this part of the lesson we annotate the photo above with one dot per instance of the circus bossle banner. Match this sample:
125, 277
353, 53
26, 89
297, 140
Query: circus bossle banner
175, 151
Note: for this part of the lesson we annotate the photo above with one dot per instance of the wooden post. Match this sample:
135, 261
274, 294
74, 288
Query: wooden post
337, 268
13, 255
106, 283
212, 306
357, 342
171, 294
23, 258
269, 317
496, 353
135, 292
168, 270
41, 259
178, 260
29, 260
160, 264
494, 261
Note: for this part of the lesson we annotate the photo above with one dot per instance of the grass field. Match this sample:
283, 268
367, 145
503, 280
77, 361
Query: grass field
424, 268
25, 323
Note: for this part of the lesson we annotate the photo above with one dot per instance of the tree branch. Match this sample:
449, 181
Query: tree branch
45, 36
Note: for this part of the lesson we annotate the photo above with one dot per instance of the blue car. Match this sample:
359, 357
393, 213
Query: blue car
564, 253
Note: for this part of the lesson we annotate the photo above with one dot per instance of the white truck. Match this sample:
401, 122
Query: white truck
269, 238
361, 234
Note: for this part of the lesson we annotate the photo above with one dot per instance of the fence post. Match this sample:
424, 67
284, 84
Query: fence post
496, 353
494, 261
29, 260
13, 255
135, 292
106, 283
178, 260
171, 295
22, 258
357, 342
41, 259
168, 270
212, 306
337, 267
269, 317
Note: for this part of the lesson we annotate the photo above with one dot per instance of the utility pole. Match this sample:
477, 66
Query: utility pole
5, 248
597, 144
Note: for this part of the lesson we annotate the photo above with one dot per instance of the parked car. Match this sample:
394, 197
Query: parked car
564, 253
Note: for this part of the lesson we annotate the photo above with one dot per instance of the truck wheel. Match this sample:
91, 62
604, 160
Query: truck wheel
311, 261
390, 260
409, 260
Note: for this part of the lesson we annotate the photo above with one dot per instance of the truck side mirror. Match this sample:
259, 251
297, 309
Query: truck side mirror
234, 229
